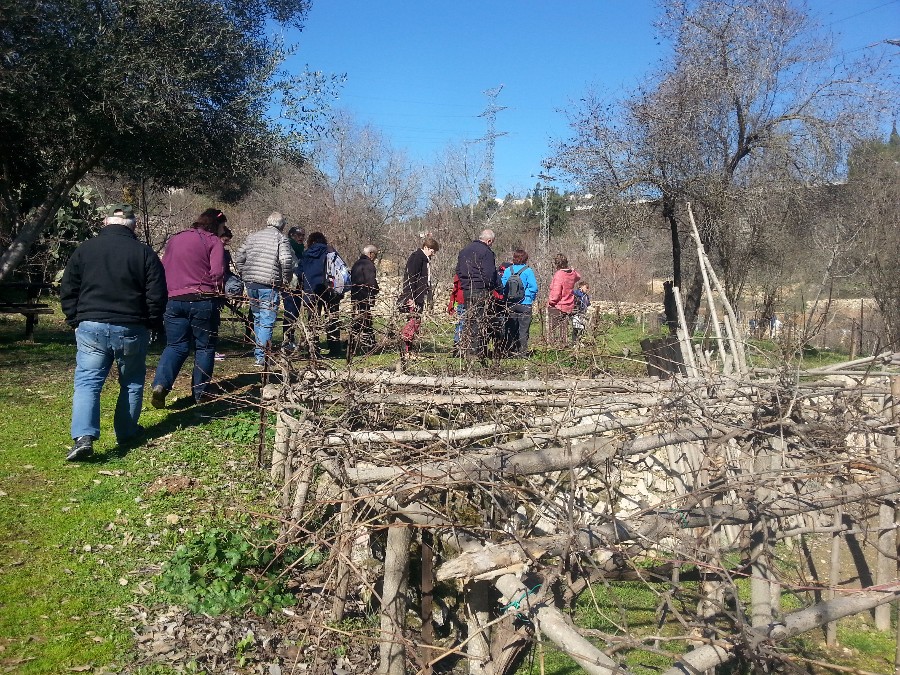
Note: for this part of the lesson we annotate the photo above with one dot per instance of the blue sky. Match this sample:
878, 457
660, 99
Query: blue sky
417, 69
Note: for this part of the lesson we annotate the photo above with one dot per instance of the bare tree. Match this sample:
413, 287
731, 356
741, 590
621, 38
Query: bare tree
753, 100
374, 187
872, 205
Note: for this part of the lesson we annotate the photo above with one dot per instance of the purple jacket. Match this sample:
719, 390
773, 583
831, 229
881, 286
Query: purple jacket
194, 262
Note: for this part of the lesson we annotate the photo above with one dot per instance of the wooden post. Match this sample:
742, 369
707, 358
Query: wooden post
477, 617
887, 534
834, 575
427, 598
393, 600
760, 591
343, 550
861, 307
282, 441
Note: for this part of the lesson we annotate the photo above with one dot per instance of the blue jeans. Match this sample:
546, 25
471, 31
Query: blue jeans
189, 324
291, 302
99, 344
461, 320
264, 307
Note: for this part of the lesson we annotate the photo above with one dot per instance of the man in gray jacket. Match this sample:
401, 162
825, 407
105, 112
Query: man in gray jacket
265, 263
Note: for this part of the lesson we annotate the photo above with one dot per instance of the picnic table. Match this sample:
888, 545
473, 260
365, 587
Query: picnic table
22, 297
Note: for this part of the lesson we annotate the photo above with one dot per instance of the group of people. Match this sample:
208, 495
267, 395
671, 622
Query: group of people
494, 304
116, 291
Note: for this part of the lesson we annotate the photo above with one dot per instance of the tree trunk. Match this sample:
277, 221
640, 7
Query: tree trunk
37, 219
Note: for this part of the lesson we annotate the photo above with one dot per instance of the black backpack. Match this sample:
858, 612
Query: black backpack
514, 291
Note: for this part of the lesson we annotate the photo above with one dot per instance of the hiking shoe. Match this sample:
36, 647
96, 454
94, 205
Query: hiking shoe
83, 448
134, 439
158, 397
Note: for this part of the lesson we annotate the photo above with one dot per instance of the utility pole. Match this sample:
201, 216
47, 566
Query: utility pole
545, 220
490, 114
544, 239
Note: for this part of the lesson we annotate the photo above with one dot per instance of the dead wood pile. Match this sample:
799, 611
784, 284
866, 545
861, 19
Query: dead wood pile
473, 513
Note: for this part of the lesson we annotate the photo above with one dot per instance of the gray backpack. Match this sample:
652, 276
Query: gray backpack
514, 291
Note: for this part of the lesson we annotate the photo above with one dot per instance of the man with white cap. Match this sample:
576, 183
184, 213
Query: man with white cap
113, 292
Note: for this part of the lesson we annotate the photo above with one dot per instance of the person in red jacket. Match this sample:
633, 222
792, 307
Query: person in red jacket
457, 307
561, 300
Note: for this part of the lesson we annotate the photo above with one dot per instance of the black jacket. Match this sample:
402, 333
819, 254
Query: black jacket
114, 278
363, 282
477, 267
415, 279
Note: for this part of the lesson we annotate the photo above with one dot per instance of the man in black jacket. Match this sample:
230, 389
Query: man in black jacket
416, 290
112, 292
476, 267
363, 289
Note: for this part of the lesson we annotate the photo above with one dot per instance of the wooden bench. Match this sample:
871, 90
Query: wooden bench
30, 308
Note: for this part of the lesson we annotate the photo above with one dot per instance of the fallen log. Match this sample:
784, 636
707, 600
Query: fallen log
569, 386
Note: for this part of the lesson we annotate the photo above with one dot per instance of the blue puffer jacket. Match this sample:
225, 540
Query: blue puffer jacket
311, 269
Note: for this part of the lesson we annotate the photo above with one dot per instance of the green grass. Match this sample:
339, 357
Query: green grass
81, 541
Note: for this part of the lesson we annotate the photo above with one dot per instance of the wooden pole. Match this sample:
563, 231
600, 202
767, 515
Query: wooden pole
343, 549
684, 335
393, 600
427, 599
478, 604
885, 565
713, 314
834, 575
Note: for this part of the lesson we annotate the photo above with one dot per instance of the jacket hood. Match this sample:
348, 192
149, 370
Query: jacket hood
316, 251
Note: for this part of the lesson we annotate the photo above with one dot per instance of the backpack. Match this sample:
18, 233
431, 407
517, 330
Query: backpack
337, 274
514, 290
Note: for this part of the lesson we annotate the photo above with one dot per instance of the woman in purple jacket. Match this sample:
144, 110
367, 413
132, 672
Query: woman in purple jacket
194, 261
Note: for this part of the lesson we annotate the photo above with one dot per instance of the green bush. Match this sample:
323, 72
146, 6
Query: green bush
228, 572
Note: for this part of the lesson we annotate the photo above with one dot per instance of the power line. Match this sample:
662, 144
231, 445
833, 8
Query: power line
865, 11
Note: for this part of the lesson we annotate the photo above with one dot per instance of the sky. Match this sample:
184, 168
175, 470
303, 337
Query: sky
417, 70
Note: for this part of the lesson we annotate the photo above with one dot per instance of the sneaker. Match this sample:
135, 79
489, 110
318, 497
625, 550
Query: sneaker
158, 397
220, 357
134, 439
259, 364
83, 448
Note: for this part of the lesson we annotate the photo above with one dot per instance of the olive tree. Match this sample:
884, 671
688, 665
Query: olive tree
177, 92
752, 100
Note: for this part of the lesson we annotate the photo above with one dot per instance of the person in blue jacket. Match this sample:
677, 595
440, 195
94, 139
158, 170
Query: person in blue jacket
314, 288
520, 295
